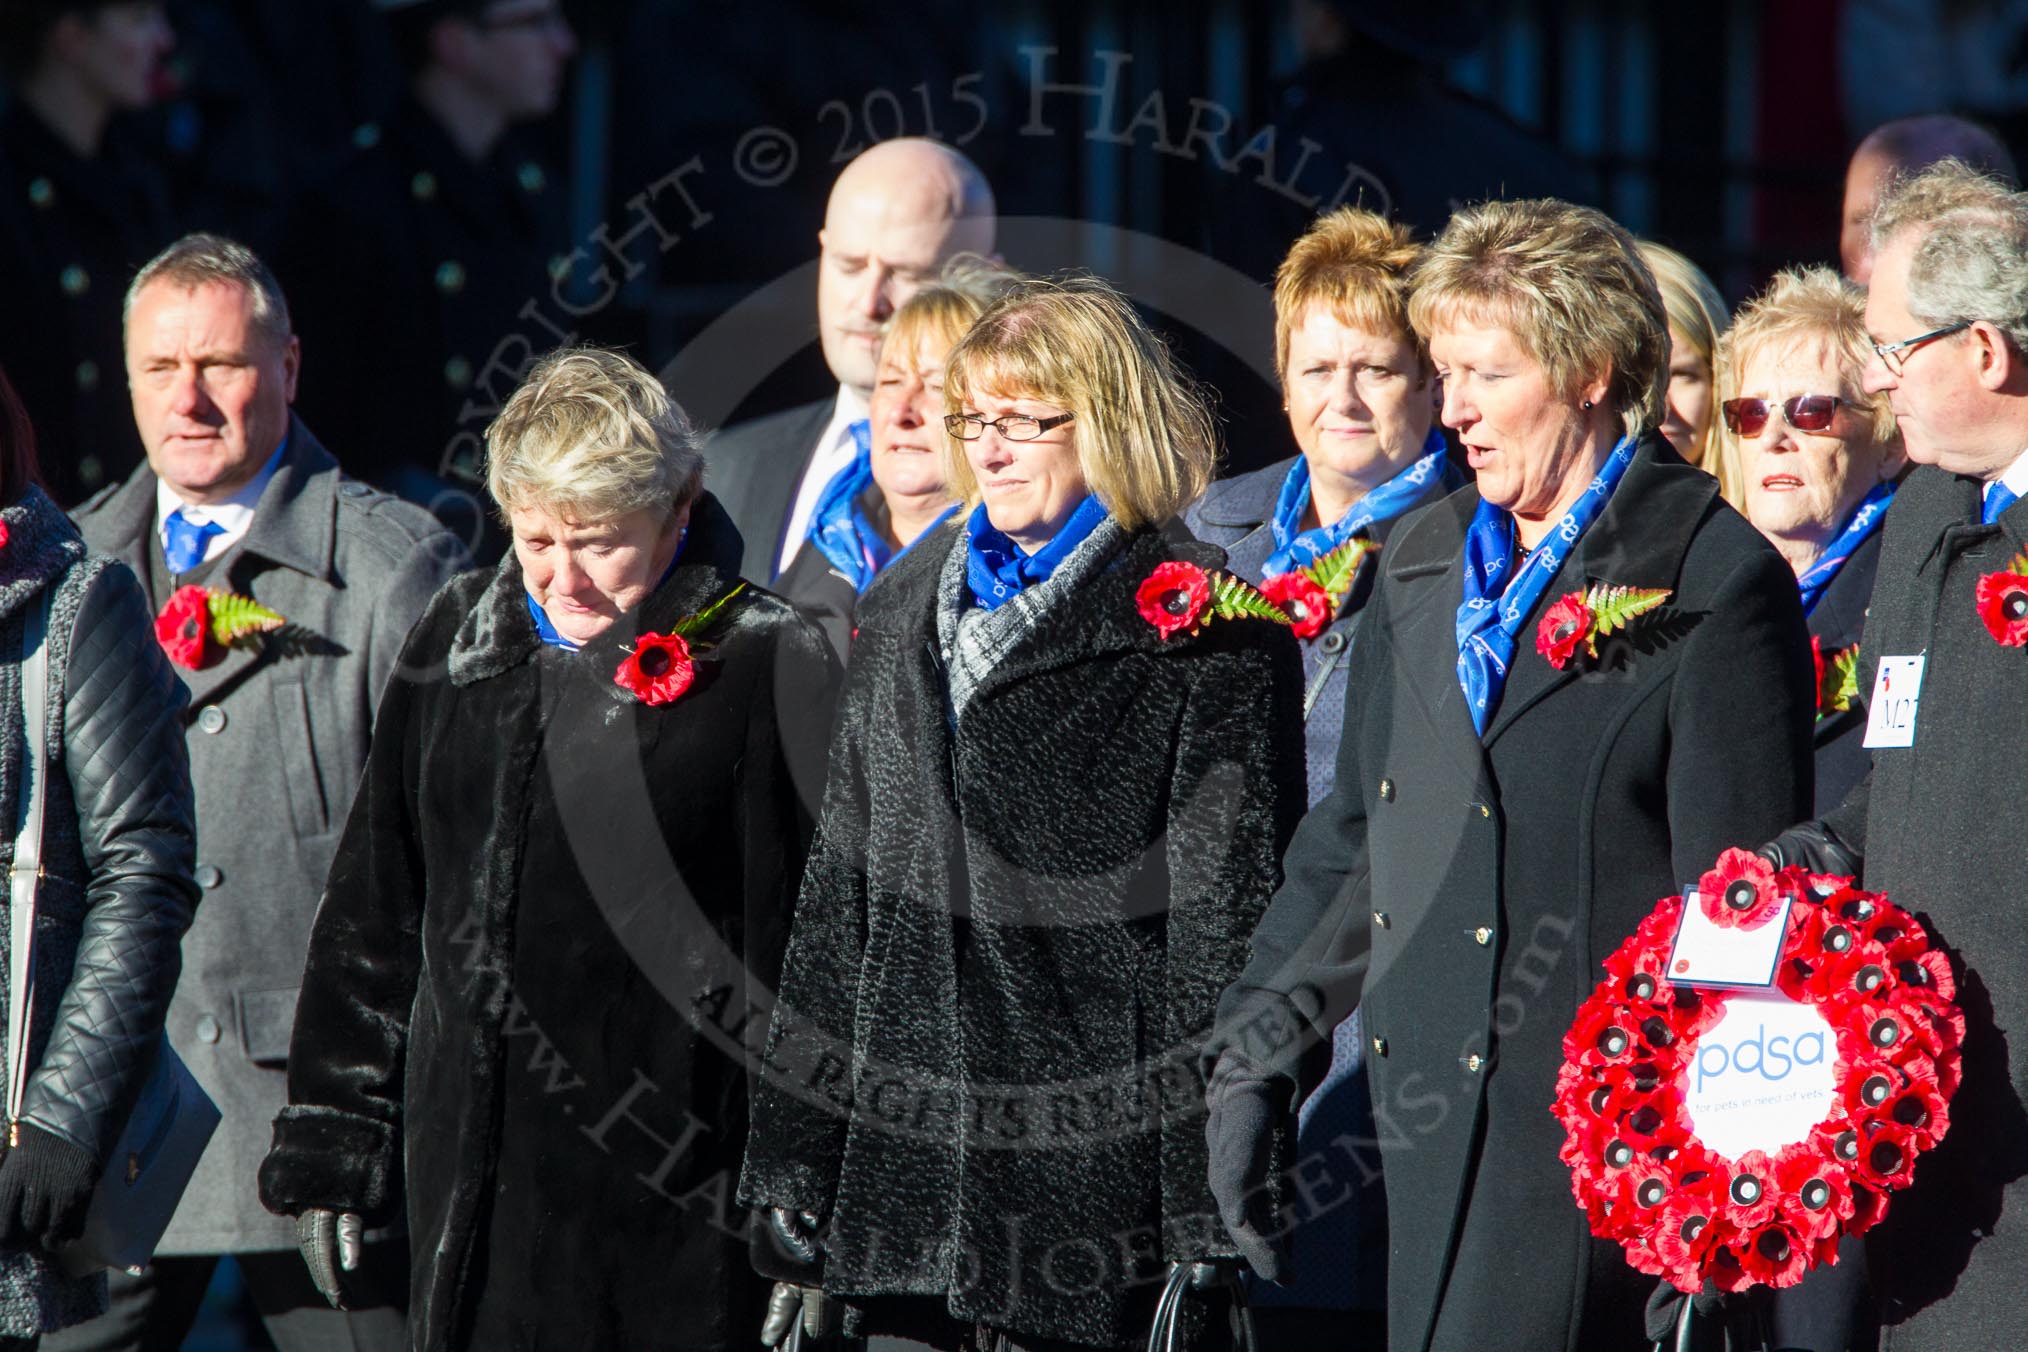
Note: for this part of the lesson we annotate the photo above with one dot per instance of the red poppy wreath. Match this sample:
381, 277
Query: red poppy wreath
1652, 1114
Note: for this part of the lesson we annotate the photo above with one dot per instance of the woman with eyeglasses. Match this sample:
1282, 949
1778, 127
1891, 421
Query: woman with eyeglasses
1060, 787
1515, 790
1820, 458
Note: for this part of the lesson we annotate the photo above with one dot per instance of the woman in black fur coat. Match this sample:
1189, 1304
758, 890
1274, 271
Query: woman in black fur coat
576, 844
1056, 804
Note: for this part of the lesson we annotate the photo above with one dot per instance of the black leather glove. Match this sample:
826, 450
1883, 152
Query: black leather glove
1813, 846
1246, 1107
46, 1187
330, 1242
790, 1303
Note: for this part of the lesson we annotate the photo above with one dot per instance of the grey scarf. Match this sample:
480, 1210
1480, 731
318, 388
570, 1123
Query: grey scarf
974, 641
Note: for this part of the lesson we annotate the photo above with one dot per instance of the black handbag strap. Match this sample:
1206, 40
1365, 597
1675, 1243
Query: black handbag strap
26, 870
1166, 1334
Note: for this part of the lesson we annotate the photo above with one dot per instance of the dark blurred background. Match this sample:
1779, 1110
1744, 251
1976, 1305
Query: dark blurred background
670, 200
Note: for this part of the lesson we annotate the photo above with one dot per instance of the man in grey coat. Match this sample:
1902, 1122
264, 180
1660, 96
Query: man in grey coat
239, 497
1938, 822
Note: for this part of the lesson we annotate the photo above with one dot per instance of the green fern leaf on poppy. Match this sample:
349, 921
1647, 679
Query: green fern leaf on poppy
1336, 571
1233, 599
237, 619
691, 624
1617, 607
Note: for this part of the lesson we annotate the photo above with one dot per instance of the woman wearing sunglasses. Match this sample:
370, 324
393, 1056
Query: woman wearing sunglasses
1510, 799
1820, 459
1058, 794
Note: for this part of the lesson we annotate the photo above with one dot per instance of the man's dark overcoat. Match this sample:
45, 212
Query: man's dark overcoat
1470, 885
1940, 826
1011, 937
529, 976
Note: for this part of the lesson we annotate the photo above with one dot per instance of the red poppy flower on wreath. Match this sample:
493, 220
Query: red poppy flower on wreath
1584, 617
1307, 605
2002, 599
1180, 597
196, 625
1740, 892
1174, 597
658, 670
1774, 1255
1815, 1193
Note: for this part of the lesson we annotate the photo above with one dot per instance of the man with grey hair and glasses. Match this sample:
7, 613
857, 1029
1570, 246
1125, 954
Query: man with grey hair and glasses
238, 497
1946, 675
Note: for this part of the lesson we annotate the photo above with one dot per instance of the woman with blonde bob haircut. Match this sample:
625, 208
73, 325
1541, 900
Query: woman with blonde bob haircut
1506, 786
1053, 816
1820, 457
586, 783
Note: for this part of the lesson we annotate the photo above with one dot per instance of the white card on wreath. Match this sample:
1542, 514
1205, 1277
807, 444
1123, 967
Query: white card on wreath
1897, 690
1709, 954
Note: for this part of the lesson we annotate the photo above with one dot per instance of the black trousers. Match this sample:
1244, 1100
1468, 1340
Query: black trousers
155, 1311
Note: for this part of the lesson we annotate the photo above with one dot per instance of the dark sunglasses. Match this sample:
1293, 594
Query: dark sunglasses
1805, 413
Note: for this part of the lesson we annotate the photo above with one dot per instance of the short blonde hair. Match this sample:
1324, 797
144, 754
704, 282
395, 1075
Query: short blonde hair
593, 436
1567, 282
1800, 310
1145, 441
943, 311
1355, 266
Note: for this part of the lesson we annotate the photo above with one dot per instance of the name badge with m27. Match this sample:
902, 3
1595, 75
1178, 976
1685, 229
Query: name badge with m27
1897, 689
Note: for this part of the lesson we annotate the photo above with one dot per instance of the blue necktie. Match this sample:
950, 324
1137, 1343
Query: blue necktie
1998, 499
184, 548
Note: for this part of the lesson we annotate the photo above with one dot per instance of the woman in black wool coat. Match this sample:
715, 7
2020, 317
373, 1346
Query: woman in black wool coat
1508, 807
1056, 803
576, 845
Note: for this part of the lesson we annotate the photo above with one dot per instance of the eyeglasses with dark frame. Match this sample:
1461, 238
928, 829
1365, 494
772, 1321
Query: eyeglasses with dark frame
1013, 426
1804, 412
1892, 353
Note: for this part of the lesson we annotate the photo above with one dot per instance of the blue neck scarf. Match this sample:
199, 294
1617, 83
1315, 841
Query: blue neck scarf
1499, 598
1296, 548
997, 569
839, 527
1816, 579
549, 633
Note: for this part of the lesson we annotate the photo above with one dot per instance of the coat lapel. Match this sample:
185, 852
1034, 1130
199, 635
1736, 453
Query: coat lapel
1638, 541
1425, 564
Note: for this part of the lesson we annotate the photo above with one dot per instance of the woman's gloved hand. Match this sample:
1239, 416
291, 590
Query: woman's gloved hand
46, 1187
1245, 1107
330, 1241
790, 1303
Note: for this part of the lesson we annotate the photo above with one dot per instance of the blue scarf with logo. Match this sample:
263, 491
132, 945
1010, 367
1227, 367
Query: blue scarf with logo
1297, 548
998, 570
1866, 517
1499, 598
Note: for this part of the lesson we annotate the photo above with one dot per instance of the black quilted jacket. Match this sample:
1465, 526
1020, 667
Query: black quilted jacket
117, 893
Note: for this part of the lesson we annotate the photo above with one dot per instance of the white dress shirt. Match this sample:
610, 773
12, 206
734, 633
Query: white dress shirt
834, 451
2015, 476
235, 514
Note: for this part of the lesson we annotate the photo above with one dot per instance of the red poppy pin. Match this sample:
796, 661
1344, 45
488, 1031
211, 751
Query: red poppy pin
1180, 597
1583, 617
2003, 602
1312, 596
660, 667
196, 625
